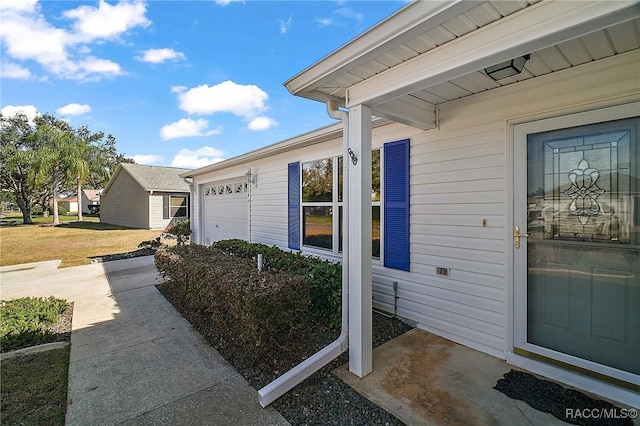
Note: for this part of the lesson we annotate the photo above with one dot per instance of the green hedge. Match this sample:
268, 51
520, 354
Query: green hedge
324, 277
256, 310
26, 321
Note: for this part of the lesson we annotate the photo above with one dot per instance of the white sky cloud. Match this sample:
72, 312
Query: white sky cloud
226, 2
19, 5
324, 22
147, 159
9, 70
157, 56
107, 21
29, 110
74, 109
187, 127
246, 101
26, 35
340, 17
285, 25
262, 123
349, 13
197, 158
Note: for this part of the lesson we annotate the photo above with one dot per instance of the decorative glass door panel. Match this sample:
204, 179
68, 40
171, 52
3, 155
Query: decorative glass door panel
583, 243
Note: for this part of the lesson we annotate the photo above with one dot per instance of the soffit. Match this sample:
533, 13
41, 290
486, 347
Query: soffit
592, 46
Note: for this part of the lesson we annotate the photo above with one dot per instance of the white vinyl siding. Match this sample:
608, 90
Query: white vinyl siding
459, 175
458, 178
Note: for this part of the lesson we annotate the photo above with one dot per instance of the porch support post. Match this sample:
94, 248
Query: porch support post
359, 241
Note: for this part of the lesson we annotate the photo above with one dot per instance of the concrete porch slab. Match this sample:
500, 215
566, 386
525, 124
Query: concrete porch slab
424, 379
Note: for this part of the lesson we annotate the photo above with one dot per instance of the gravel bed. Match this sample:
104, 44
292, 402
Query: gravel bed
322, 399
120, 256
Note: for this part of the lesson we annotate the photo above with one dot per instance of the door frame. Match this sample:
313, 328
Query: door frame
518, 345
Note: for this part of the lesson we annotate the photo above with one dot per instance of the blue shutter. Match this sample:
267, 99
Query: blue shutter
396, 205
294, 206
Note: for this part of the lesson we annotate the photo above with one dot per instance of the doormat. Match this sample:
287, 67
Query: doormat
568, 405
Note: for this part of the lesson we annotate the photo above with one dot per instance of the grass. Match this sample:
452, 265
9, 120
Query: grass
74, 243
12, 216
34, 388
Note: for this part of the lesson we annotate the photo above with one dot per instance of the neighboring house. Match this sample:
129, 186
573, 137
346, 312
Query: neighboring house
506, 209
147, 197
91, 200
69, 204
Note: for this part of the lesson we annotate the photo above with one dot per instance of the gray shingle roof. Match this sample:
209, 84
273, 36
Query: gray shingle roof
157, 178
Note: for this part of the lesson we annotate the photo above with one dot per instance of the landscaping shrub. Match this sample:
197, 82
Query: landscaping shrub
325, 277
25, 322
151, 244
252, 309
180, 230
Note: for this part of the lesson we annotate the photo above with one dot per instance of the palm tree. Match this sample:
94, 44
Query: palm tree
56, 141
77, 167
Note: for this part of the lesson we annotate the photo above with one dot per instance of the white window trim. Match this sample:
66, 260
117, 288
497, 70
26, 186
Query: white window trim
171, 207
335, 252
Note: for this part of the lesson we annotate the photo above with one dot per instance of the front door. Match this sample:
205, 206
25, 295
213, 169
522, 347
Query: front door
577, 256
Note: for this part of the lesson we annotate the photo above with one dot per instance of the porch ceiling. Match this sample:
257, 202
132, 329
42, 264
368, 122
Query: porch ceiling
440, 56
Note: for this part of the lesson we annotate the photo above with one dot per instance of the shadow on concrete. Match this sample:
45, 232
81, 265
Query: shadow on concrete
134, 359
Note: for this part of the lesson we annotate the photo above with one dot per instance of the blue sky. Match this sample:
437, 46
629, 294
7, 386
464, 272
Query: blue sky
178, 83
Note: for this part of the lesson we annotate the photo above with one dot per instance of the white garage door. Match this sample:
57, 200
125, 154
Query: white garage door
225, 211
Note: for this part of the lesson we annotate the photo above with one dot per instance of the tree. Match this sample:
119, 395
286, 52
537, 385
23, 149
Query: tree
103, 161
56, 156
17, 160
39, 160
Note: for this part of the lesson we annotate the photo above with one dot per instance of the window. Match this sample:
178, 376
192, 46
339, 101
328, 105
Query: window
315, 204
375, 202
175, 206
318, 203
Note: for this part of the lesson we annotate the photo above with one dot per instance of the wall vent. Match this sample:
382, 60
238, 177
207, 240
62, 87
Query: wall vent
440, 270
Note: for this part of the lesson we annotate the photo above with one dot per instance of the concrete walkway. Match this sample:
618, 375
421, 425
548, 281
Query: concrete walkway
134, 359
423, 379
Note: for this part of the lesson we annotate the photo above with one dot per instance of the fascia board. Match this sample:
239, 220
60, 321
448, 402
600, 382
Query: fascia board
112, 179
536, 27
317, 136
407, 23
307, 139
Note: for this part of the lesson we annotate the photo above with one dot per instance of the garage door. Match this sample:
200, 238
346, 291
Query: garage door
225, 211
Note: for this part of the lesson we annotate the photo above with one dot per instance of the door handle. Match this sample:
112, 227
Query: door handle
517, 235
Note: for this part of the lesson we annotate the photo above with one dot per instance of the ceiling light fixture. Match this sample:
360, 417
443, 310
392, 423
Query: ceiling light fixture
507, 68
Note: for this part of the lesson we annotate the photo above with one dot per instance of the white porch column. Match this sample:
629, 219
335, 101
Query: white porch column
359, 242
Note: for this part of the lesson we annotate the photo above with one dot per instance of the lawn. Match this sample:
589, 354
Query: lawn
74, 243
33, 388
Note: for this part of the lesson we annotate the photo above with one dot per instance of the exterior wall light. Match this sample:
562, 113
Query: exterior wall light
252, 179
507, 68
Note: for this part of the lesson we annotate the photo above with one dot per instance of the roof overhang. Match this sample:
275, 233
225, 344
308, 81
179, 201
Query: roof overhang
431, 44
301, 141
